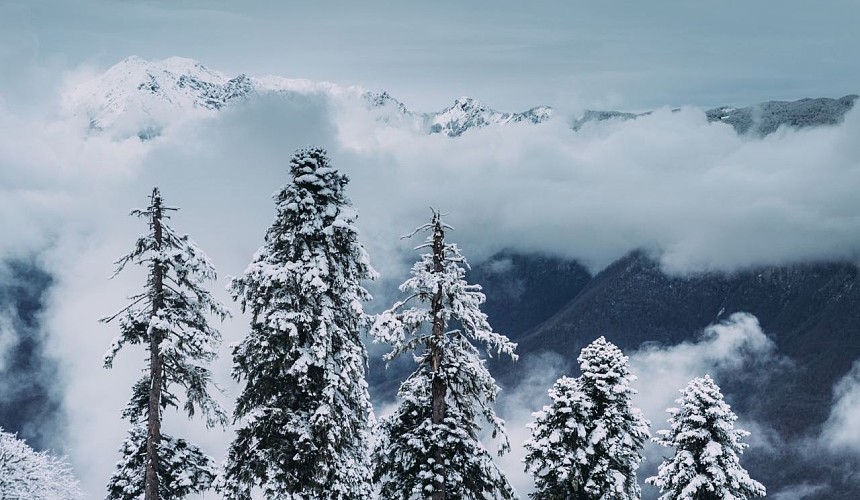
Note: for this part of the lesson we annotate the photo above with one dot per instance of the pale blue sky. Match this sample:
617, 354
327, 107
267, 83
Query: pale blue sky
615, 54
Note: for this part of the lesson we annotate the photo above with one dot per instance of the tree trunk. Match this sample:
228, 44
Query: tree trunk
153, 437
440, 387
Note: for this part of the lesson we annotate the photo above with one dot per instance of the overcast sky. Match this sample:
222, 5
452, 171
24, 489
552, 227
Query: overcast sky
511, 54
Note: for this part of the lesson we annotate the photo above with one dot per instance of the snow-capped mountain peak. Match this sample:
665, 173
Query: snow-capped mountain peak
153, 93
140, 97
467, 112
143, 94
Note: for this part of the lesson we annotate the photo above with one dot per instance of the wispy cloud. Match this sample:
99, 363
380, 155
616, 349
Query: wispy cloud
841, 433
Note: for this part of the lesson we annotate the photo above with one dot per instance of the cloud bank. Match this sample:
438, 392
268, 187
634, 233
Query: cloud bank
694, 193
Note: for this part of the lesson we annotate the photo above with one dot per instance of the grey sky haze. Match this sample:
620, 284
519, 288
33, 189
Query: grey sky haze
513, 55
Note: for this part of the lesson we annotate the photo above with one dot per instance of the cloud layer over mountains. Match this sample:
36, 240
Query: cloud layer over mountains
695, 193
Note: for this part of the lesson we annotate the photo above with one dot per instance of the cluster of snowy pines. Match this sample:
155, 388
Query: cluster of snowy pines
305, 428
586, 445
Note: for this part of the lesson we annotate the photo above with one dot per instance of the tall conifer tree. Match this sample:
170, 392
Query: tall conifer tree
430, 447
305, 411
170, 319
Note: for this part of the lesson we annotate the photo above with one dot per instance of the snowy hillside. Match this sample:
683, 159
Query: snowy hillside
468, 113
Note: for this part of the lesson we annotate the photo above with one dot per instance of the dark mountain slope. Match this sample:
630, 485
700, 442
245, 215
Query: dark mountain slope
525, 290
30, 392
811, 311
765, 118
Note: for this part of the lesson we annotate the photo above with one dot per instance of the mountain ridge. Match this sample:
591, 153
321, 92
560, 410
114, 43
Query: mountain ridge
151, 92
152, 89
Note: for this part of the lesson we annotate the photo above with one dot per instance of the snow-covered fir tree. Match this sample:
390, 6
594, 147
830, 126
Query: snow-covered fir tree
556, 452
170, 318
587, 443
305, 412
430, 446
31, 475
706, 463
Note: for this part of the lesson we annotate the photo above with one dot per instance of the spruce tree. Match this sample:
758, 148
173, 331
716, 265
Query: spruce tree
305, 411
430, 448
170, 319
706, 462
586, 444
555, 454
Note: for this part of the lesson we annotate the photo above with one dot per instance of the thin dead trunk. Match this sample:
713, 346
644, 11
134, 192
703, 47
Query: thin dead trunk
440, 386
153, 438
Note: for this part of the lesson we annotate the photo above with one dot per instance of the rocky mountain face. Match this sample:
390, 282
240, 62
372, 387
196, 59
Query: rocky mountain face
467, 113
137, 96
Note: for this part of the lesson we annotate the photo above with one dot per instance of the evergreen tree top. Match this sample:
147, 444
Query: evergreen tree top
703, 416
604, 369
311, 171
444, 273
176, 252
313, 234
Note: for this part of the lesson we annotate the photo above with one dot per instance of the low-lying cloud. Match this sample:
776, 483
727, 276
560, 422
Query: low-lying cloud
722, 348
842, 430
